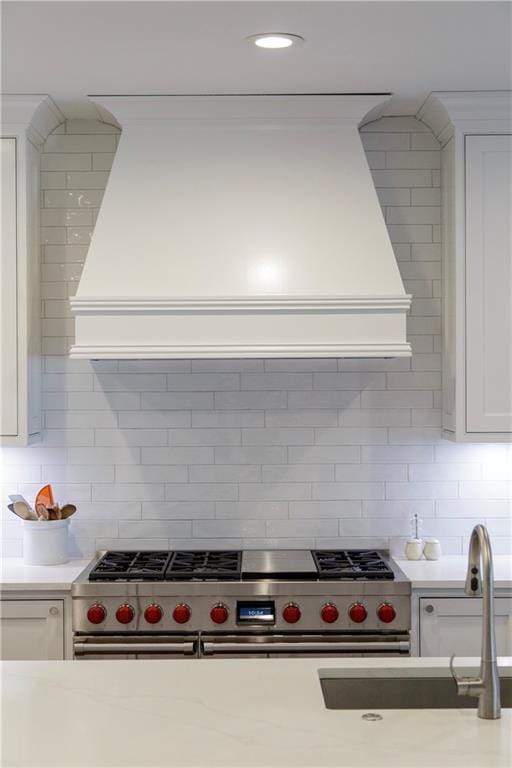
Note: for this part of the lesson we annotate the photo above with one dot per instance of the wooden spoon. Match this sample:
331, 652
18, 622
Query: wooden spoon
67, 510
42, 512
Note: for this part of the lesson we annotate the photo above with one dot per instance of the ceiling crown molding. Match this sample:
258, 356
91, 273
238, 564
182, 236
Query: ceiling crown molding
468, 111
37, 114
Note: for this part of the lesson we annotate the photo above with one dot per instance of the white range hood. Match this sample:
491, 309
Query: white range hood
240, 226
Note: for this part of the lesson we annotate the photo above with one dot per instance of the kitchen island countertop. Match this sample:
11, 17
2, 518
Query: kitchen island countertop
15, 576
262, 713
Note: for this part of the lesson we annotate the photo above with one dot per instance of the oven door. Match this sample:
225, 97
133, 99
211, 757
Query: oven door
94, 647
287, 645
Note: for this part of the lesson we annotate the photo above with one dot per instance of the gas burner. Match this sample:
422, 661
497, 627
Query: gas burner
131, 566
204, 566
351, 564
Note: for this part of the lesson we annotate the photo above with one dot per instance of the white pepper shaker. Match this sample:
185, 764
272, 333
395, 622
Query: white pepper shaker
432, 549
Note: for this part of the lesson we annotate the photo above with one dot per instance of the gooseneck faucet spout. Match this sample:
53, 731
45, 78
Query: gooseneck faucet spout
480, 581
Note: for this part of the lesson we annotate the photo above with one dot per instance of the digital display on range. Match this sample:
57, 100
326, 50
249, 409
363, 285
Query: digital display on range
255, 612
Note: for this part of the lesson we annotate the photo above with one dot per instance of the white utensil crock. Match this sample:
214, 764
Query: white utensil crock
45, 542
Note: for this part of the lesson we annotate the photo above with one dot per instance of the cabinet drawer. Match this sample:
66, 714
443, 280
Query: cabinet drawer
454, 625
31, 630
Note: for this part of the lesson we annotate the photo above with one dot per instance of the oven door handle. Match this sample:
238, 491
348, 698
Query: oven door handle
211, 648
83, 649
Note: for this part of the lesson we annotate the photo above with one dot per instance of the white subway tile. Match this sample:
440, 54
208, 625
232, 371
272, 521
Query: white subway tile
301, 528
266, 510
250, 455
399, 509
225, 473
428, 417
177, 401
95, 401
121, 382
154, 419
324, 399
282, 473
301, 365
151, 528
154, 366
444, 472
204, 437
227, 419
342, 490
358, 380
400, 178
201, 492
402, 399
67, 473
415, 214
423, 380
414, 435
371, 472
128, 492
274, 381
250, 400
485, 490
97, 455
86, 143
65, 162
393, 454
399, 160
386, 141
185, 455
301, 418
168, 473
73, 198
375, 417
331, 454
421, 490
131, 436
177, 510
350, 436
199, 382
226, 366
86, 179
274, 492
277, 436
325, 509
482, 508
68, 437
225, 528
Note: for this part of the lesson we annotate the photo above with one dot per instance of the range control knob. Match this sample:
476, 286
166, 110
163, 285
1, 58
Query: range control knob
329, 613
181, 613
219, 613
357, 612
386, 612
291, 613
153, 613
96, 613
125, 614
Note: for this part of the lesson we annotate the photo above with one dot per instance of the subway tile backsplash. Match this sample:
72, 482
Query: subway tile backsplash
254, 453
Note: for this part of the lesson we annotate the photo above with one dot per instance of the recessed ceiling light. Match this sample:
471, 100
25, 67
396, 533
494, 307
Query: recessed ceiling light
275, 40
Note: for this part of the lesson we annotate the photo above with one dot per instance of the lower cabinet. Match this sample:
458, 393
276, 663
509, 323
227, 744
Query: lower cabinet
454, 625
31, 630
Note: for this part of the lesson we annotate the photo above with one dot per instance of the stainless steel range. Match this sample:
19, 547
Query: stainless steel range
210, 604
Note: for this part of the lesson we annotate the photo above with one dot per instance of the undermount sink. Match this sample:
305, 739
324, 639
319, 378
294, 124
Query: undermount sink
400, 692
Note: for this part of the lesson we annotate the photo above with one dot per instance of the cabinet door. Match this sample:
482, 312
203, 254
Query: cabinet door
454, 625
489, 283
8, 291
31, 630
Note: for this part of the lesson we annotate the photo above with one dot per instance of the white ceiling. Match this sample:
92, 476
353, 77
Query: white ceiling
71, 49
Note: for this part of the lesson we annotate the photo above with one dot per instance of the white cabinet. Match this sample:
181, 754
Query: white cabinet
476, 183
26, 121
31, 630
454, 625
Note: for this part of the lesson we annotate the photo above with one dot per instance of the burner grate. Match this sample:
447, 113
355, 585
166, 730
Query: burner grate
204, 566
351, 564
131, 566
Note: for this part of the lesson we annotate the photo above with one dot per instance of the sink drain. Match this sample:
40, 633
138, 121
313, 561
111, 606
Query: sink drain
371, 716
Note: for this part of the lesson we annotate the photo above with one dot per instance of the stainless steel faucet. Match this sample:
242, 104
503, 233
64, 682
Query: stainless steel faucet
480, 581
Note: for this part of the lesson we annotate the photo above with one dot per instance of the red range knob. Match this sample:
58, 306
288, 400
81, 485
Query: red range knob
125, 614
329, 613
291, 613
386, 612
181, 613
153, 613
96, 613
357, 612
219, 613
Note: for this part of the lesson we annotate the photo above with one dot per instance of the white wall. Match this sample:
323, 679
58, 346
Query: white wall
281, 453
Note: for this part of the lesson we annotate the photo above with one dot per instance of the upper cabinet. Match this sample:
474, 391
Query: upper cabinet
475, 130
26, 122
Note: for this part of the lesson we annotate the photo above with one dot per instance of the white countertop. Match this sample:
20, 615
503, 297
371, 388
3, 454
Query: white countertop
264, 713
450, 572
16, 576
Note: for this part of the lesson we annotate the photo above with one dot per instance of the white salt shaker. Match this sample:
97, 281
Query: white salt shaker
432, 549
414, 549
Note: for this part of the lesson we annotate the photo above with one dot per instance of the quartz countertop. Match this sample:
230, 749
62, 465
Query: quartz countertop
15, 576
257, 713
450, 572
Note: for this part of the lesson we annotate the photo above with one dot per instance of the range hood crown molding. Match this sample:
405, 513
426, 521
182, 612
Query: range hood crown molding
240, 226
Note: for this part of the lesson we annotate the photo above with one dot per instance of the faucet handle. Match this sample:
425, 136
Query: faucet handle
466, 686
